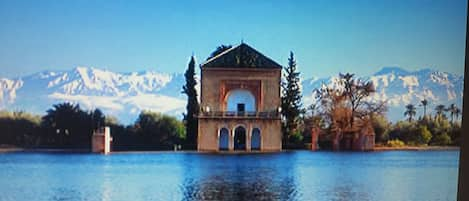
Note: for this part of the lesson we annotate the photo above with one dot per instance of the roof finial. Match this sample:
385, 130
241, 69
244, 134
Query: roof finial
242, 41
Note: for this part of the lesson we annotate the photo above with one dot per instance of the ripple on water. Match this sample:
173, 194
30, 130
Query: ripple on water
300, 175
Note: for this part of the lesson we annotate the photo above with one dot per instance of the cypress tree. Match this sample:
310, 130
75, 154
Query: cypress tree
291, 99
192, 106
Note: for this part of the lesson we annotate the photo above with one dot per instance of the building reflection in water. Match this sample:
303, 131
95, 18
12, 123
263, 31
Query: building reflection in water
238, 177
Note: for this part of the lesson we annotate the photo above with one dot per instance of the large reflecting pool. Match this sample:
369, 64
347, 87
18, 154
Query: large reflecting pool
299, 175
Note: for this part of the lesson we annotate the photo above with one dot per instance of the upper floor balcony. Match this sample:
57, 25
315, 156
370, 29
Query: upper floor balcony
240, 114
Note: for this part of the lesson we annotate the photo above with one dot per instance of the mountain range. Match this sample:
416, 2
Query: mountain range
124, 95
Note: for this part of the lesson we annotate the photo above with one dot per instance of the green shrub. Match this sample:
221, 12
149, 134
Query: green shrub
381, 127
296, 138
395, 143
442, 139
422, 136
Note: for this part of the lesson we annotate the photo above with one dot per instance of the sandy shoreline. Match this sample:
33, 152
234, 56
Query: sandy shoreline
416, 148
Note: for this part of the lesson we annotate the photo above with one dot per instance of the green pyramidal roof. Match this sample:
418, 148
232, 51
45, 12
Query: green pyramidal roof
241, 56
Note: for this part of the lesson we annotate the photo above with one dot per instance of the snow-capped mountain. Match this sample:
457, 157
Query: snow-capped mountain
399, 87
124, 95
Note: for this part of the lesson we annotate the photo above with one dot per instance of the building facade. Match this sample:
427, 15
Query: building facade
240, 102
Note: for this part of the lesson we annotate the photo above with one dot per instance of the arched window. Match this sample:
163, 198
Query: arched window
256, 139
241, 100
223, 139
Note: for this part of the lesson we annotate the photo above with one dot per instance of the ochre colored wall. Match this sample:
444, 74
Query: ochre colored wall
212, 79
268, 99
270, 133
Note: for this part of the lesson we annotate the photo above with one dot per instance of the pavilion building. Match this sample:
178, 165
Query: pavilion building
240, 102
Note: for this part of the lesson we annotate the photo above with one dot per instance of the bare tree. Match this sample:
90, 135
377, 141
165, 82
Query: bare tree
343, 104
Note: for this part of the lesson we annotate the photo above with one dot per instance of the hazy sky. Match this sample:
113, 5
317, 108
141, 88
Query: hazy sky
327, 37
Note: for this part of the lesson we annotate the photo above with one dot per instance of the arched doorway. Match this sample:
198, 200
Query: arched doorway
256, 139
223, 139
240, 138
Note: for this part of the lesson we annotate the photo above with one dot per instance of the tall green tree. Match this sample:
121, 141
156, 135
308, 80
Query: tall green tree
192, 107
98, 119
424, 103
457, 112
291, 99
410, 111
453, 111
158, 131
440, 109
68, 125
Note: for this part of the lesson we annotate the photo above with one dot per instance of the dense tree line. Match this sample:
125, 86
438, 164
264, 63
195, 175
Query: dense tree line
66, 125
427, 129
151, 131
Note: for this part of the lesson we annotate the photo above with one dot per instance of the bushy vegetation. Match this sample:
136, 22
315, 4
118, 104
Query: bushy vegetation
395, 143
68, 126
19, 128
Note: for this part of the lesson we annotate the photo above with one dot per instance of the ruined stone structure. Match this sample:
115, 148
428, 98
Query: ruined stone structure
360, 138
101, 140
314, 138
240, 102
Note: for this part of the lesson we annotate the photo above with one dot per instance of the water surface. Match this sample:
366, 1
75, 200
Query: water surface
299, 175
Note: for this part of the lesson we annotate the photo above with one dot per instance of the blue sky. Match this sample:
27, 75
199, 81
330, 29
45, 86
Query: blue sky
327, 37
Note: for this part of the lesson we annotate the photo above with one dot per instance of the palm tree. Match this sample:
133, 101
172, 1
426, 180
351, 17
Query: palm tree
67, 124
457, 112
410, 111
424, 103
440, 109
61, 120
453, 109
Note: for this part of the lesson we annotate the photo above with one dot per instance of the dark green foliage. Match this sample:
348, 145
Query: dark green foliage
455, 134
296, 138
454, 112
158, 130
192, 107
440, 112
423, 135
432, 131
411, 133
441, 139
291, 100
68, 125
151, 131
381, 127
410, 111
19, 128
97, 118
424, 103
